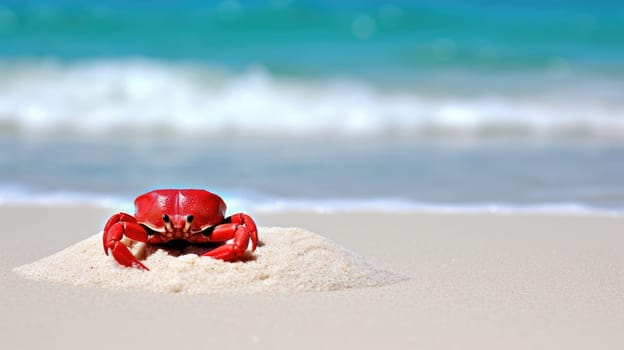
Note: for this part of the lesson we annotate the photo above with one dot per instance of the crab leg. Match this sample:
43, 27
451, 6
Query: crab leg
230, 251
118, 226
244, 219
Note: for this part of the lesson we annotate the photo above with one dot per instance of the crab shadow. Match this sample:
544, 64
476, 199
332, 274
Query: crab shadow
181, 248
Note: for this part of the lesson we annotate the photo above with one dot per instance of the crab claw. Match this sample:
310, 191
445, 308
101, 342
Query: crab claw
119, 217
234, 250
247, 221
124, 257
116, 228
240, 229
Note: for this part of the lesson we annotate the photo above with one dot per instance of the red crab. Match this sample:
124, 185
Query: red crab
194, 216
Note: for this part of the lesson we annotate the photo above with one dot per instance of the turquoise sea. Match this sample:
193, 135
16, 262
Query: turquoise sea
316, 105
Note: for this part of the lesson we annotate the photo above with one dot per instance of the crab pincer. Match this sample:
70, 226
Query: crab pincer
118, 226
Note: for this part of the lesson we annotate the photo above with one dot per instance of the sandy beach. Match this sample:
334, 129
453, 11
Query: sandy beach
442, 176
474, 282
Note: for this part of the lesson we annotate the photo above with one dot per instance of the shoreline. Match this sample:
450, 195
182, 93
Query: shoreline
347, 206
475, 281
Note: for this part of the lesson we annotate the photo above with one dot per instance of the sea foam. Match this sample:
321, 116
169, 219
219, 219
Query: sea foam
266, 204
149, 97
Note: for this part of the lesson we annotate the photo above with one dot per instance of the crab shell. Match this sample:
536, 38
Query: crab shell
207, 209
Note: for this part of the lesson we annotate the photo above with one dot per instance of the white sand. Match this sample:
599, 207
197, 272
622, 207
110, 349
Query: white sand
287, 260
487, 282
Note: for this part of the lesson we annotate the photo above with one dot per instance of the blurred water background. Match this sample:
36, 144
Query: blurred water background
316, 105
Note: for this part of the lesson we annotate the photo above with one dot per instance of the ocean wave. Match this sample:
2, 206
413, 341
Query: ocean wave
12, 194
263, 204
130, 97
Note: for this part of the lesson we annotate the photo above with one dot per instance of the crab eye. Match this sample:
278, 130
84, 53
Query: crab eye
166, 218
187, 225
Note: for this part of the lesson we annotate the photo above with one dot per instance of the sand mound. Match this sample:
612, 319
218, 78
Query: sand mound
287, 260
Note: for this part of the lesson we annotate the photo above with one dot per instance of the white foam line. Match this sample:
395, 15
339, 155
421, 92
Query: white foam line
405, 206
328, 205
18, 195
